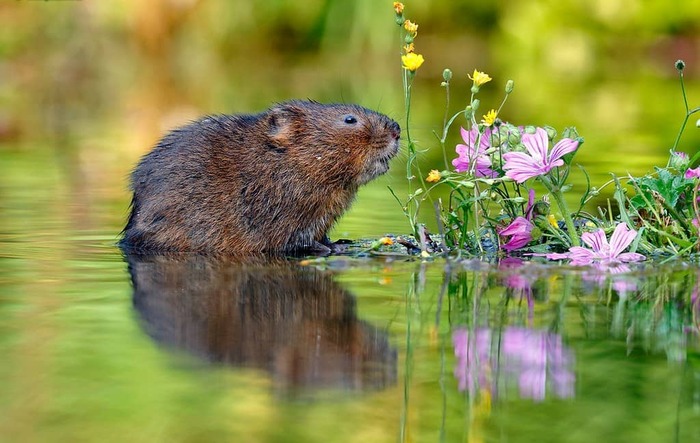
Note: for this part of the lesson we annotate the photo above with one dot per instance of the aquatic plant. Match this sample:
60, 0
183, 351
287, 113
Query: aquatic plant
499, 162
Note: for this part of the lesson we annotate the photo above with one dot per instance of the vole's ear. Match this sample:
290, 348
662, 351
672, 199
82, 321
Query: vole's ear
283, 122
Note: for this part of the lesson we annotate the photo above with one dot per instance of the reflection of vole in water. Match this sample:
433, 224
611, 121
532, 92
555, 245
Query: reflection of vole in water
275, 181
296, 323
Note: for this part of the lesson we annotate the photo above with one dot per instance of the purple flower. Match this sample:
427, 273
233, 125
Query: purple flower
538, 160
520, 229
602, 251
693, 173
473, 157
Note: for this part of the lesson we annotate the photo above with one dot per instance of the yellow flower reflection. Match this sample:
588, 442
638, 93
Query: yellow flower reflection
412, 61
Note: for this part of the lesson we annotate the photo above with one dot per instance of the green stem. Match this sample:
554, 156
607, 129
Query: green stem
444, 124
688, 112
561, 203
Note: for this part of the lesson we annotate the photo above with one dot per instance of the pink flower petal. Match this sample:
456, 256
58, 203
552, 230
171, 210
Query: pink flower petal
628, 257
520, 231
563, 147
537, 144
520, 166
620, 239
596, 240
693, 173
556, 256
581, 256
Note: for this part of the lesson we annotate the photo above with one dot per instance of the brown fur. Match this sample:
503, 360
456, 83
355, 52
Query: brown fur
275, 181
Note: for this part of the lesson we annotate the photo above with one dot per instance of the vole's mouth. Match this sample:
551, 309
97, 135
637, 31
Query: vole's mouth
380, 163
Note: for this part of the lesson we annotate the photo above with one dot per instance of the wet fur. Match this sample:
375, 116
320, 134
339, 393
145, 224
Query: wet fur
275, 181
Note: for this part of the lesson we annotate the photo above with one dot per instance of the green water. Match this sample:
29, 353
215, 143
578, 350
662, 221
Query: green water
99, 347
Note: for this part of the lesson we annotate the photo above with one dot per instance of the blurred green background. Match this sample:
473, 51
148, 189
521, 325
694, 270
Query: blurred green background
89, 86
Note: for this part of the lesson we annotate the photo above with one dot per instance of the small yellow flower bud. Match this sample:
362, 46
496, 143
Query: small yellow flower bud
410, 27
433, 176
398, 7
407, 49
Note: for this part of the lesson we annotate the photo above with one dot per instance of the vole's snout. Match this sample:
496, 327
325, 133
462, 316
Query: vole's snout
395, 130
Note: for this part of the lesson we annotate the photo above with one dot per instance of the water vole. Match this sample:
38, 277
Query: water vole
274, 181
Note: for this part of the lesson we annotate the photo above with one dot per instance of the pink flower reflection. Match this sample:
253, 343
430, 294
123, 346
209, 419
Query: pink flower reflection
535, 360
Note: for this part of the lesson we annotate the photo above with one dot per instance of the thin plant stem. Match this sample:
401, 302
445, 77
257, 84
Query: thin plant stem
688, 112
561, 203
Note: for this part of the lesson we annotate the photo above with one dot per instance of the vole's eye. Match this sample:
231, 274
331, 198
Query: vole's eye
350, 119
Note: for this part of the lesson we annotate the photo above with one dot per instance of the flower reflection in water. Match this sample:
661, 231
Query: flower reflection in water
535, 360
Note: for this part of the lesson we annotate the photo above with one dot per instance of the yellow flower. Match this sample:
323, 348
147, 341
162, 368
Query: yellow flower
480, 78
410, 27
552, 221
398, 7
412, 61
409, 48
490, 117
386, 241
433, 176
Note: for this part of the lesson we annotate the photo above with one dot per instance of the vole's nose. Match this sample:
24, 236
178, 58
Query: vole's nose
395, 130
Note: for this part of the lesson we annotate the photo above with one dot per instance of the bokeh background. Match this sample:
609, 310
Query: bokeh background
89, 86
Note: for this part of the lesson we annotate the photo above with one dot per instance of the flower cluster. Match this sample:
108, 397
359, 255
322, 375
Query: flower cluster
410, 60
492, 207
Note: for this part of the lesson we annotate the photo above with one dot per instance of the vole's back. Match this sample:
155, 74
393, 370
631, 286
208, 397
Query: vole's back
268, 182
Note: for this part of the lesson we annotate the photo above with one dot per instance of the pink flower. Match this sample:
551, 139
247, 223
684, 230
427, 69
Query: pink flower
520, 229
473, 158
602, 251
693, 173
521, 166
